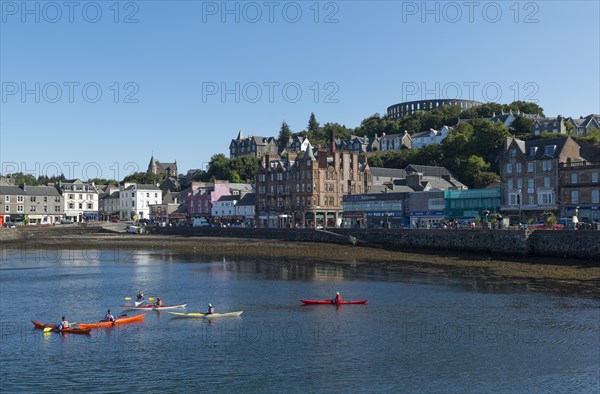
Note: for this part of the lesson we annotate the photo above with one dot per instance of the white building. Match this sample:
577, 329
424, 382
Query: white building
245, 209
224, 207
395, 141
424, 138
135, 200
80, 200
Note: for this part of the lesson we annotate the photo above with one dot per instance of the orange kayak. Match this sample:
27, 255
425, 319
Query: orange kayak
120, 320
70, 330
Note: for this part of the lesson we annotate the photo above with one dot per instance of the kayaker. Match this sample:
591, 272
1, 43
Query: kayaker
338, 298
210, 310
109, 316
140, 295
63, 324
158, 302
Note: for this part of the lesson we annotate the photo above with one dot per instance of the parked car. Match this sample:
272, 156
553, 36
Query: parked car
66, 221
132, 229
200, 222
115, 220
9, 225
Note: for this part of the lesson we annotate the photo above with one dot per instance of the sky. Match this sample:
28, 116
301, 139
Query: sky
93, 89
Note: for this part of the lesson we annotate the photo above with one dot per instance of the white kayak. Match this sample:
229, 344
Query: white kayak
198, 314
153, 307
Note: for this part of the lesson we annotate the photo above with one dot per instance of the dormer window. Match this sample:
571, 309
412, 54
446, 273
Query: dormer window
549, 150
532, 151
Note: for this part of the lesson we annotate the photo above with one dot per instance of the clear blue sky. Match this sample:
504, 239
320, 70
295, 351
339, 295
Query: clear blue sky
166, 71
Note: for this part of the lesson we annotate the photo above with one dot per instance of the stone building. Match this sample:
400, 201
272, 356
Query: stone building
307, 191
252, 146
529, 172
167, 169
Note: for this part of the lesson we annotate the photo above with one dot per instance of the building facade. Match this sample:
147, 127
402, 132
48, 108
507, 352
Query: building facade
529, 173
580, 190
252, 146
424, 138
30, 205
167, 169
399, 110
80, 200
307, 191
395, 142
135, 200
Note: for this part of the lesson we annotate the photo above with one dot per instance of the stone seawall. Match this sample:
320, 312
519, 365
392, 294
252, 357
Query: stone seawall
543, 243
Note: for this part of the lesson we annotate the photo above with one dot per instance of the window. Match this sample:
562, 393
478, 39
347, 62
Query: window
71, 196
547, 165
20, 208
80, 205
148, 195
519, 183
547, 181
595, 196
574, 178
531, 199
575, 197
519, 168
32, 208
90, 206
530, 167
513, 199
549, 150
81, 196
530, 184
509, 168
20, 199
71, 205
7, 198
594, 177
545, 198
7, 208
510, 184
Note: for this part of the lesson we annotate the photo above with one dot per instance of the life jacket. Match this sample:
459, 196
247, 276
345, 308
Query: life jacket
65, 324
109, 317
211, 310
159, 303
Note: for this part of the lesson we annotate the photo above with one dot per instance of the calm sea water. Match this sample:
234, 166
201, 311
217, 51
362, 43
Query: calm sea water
417, 333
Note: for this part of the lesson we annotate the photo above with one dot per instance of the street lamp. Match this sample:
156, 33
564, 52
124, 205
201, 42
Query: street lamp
519, 206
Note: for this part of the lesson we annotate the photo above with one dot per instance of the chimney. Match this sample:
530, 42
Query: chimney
322, 158
331, 142
413, 180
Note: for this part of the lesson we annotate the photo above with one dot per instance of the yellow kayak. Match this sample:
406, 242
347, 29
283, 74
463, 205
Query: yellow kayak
198, 314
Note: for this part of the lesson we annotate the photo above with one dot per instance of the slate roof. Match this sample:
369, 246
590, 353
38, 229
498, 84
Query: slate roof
248, 199
388, 172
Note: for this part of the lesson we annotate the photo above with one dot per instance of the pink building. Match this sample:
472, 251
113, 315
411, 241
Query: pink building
203, 195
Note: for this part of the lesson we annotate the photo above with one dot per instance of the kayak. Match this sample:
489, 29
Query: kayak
70, 330
198, 314
152, 307
330, 302
120, 320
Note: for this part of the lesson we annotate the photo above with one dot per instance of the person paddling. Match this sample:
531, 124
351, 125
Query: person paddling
210, 310
140, 296
158, 303
109, 317
338, 298
63, 324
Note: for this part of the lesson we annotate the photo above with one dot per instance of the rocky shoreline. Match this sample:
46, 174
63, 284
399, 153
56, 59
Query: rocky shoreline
564, 277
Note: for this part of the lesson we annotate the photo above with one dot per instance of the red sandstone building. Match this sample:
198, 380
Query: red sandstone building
307, 191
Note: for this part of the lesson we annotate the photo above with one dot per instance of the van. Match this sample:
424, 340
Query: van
132, 229
201, 222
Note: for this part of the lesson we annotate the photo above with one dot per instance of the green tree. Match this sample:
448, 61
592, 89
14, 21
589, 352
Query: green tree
522, 126
20, 178
284, 135
313, 128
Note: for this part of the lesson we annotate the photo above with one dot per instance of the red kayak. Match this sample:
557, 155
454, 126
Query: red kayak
70, 330
330, 302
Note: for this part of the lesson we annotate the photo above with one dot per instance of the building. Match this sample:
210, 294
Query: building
580, 186
135, 200
245, 210
375, 210
308, 191
399, 110
224, 209
296, 144
358, 144
424, 138
80, 200
166, 169
108, 202
252, 146
202, 196
582, 125
30, 204
395, 142
529, 172
548, 125
472, 204
426, 208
